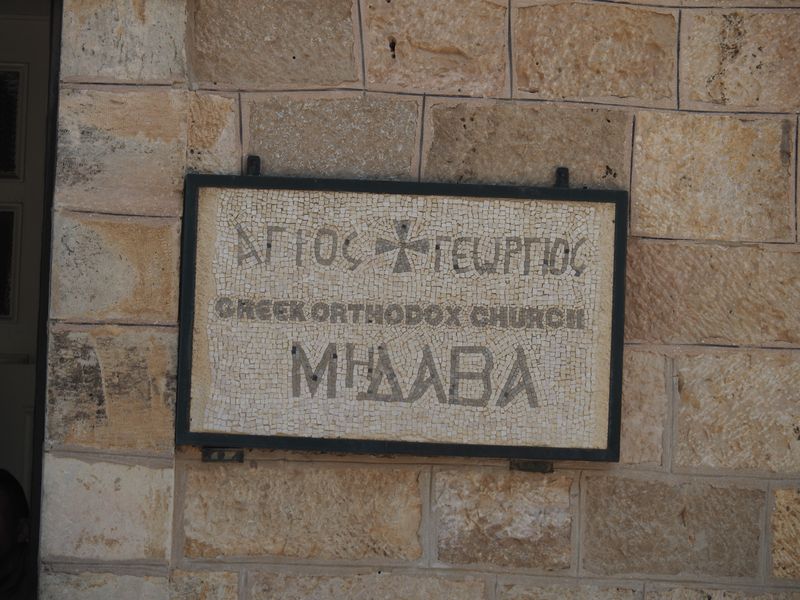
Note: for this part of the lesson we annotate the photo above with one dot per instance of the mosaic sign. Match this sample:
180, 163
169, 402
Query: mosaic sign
391, 317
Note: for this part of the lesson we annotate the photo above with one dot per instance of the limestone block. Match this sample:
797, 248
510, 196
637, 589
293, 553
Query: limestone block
214, 145
457, 47
595, 51
515, 591
785, 534
272, 44
115, 268
204, 585
501, 142
111, 388
644, 407
123, 40
334, 135
740, 60
302, 511
121, 151
383, 585
713, 177
685, 593
510, 519
101, 586
105, 511
732, 295
739, 410
664, 527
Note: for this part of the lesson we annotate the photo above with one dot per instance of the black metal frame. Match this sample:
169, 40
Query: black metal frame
184, 435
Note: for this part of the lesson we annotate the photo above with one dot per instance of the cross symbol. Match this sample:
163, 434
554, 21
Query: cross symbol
401, 263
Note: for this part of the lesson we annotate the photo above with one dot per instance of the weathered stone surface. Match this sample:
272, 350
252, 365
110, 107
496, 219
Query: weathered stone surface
105, 511
302, 511
713, 177
204, 585
214, 145
711, 3
340, 135
271, 44
115, 268
455, 47
616, 53
565, 592
111, 388
740, 60
101, 586
691, 293
121, 151
123, 40
501, 142
644, 407
682, 593
386, 586
739, 410
785, 534
505, 518
670, 528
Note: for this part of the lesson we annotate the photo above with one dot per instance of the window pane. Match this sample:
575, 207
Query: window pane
9, 103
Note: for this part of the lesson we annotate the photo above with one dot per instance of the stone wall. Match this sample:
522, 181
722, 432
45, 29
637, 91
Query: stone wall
691, 105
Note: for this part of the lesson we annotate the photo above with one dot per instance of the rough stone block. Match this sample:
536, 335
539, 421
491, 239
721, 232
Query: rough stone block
123, 40
616, 53
115, 268
101, 586
644, 407
740, 60
111, 388
515, 591
511, 519
713, 177
664, 527
685, 593
501, 142
214, 145
204, 585
785, 534
272, 44
105, 511
739, 410
121, 151
386, 586
457, 47
340, 135
709, 294
302, 511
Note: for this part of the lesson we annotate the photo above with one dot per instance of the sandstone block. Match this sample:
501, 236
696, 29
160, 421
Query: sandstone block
510, 519
501, 142
386, 586
204, 585
785, 534
121, 151
457, 47
713, 177
732, 295
685, 593
328, 135
115, 268
616, 53
111, 388
565, 592
214, 145
101, 586
105, 511
740, 60
123, 40
670, 528
739, 410
257, 44
302, 511
644, 407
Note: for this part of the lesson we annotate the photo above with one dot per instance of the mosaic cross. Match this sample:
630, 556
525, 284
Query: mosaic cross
402, 264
